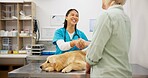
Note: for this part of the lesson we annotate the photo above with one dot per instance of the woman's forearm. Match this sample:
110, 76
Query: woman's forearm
63, 45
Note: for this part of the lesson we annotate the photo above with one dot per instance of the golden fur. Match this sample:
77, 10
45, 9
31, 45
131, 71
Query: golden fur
65, 62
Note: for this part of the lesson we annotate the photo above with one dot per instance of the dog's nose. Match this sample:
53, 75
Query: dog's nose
41, 67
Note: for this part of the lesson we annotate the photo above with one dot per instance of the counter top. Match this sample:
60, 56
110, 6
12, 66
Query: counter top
13, 55
33, 70
20, 59
35, 57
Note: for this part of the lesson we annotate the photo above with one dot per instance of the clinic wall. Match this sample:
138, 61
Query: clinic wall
88, 9
139, 44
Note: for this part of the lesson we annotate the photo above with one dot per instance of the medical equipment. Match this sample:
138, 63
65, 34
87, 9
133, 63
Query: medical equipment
37, 49
36, 30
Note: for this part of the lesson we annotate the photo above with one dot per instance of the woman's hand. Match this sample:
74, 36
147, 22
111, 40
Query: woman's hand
80, 43
73, 43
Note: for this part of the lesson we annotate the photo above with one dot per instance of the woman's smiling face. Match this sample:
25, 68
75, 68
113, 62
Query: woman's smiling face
72, 18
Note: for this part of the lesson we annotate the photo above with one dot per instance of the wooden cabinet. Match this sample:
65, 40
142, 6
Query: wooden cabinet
16, 25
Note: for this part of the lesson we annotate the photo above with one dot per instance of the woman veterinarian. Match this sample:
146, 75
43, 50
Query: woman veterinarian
107, 54
69, 38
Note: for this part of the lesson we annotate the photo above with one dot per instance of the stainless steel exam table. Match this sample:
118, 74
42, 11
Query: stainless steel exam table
32, 70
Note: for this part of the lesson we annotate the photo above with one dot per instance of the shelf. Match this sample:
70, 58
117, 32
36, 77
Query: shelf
26, 19
8, 36
25, 36
17, 17
8, 19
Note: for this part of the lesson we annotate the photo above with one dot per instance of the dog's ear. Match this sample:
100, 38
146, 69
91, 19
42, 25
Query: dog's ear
58, 66
52, 64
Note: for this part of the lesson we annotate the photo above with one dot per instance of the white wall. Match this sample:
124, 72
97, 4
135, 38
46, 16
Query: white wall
139, 19
88, 9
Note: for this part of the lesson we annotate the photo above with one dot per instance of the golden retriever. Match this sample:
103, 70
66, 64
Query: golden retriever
65, 62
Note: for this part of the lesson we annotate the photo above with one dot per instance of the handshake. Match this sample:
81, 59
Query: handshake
80, 43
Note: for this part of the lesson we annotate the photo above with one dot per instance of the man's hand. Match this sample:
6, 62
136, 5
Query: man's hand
87, 68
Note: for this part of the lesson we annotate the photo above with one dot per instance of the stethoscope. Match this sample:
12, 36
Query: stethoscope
75, 34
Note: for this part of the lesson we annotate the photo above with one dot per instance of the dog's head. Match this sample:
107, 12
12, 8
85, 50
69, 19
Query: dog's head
52, 63
49, 64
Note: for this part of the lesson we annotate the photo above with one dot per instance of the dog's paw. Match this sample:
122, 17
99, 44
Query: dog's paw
66, 70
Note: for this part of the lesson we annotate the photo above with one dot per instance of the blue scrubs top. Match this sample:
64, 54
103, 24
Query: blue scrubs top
63, 34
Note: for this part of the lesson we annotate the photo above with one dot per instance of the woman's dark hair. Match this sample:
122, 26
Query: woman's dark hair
65, 22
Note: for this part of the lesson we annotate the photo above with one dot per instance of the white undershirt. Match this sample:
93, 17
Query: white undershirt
65, 45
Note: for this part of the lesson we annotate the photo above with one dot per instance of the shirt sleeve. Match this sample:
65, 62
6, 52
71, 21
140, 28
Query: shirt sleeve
58, 35
63, 45
101, 35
